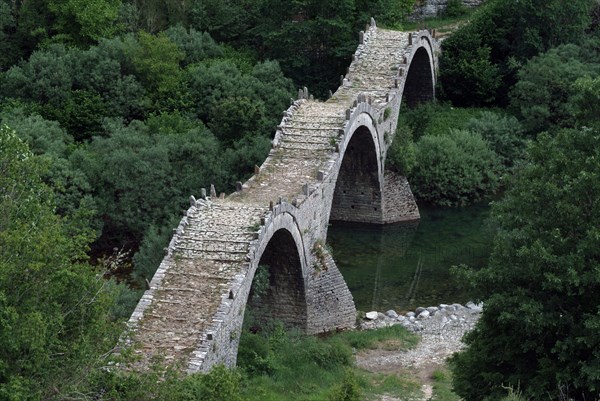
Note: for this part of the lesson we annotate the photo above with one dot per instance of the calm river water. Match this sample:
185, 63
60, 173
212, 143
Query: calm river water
403, 266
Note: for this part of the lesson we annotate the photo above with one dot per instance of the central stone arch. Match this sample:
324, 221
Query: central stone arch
357, 194
419, 86
284, 298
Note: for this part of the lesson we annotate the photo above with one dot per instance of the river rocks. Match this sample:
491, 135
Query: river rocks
447, 321
391, 314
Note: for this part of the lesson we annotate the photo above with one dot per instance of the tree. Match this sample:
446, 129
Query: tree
54, 308
455, 169
539, 327
543, 96
85, 21
500, 38
143, 175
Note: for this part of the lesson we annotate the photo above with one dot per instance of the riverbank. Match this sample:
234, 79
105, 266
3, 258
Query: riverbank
440, 329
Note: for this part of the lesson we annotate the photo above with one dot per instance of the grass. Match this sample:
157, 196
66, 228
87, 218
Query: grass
442, 386
292, 366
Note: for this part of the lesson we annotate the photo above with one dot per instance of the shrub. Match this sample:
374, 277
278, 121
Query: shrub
348, 389
543, 96
454, 8
454, 170
401, 156
504, 135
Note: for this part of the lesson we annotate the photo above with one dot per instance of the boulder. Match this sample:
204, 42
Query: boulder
392, 314
371, 315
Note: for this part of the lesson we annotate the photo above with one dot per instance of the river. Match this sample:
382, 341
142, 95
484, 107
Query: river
403, 266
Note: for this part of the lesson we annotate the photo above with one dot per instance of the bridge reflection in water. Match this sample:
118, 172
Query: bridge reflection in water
406, 265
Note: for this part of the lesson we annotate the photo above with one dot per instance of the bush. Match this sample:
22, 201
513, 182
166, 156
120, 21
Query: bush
454, 8
348, 389
401, 156
436, 119
454, 170
543, 96
480, 60
503, 133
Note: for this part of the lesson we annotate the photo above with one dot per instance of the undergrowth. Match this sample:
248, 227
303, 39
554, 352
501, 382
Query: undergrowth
288, 365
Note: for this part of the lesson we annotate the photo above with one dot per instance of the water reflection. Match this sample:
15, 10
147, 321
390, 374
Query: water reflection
403, 266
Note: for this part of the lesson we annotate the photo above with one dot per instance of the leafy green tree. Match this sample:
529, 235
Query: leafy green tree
542, 98
215, 85
197, 46
141, 177
156, 61
85, 21
503, 133
455, 169
230, 21
539, 327
313, 40
53, 306
52, 144
108, 70
587, 100
46, 78
500, 38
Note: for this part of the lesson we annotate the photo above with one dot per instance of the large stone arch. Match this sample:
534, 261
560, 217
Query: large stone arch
418, 77
358, 190
357, 194
285, 296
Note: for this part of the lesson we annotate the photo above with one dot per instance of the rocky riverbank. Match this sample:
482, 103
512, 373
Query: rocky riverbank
440, 328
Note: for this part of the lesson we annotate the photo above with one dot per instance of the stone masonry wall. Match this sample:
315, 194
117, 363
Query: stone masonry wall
432, 8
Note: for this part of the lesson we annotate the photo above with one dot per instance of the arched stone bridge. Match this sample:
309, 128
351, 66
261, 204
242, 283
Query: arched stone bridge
327, 163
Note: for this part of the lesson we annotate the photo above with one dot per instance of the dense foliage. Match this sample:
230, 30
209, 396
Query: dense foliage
454, 169
480, 60
54, 307
539, 328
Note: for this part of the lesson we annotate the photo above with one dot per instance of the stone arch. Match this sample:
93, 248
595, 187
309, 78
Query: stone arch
357, 196
282, 247
284, 299
419, 86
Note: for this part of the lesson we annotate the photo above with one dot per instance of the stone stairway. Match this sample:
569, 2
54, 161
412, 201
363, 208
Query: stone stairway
205, 256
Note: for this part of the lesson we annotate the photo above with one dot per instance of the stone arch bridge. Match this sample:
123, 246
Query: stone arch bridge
327, 163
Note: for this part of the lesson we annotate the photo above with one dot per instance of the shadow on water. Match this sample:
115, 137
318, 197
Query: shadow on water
403, 266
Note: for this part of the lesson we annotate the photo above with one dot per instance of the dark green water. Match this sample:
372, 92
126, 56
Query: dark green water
404, 266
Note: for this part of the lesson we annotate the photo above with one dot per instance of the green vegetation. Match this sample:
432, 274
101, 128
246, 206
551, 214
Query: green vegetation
54, 307
119, 110
442, 386
481, 59
541, 336
288, 365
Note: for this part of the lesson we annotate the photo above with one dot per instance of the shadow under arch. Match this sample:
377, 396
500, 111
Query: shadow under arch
419, 86
282, 293
357, 194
